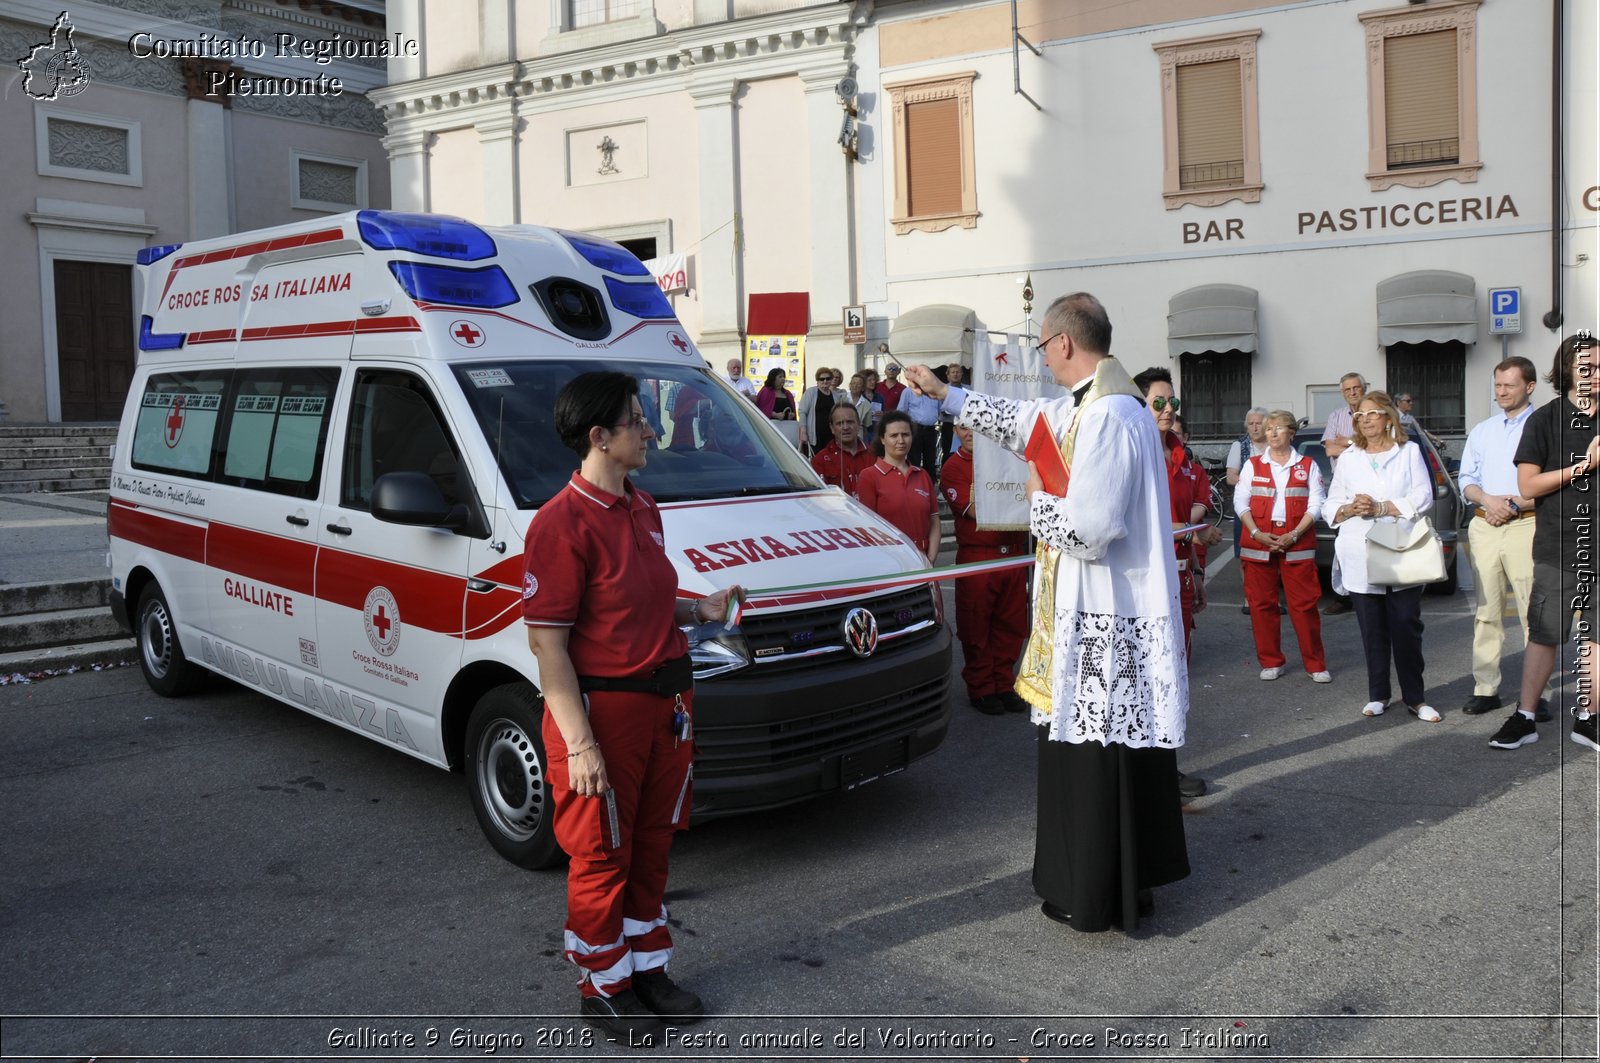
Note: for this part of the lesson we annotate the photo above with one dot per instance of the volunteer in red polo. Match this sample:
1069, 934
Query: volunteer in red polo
600, 602
992, 608
843, 460
899, 492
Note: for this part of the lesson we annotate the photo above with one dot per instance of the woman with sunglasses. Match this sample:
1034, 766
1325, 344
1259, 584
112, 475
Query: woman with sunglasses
600, 602
1380, 477
1277, 501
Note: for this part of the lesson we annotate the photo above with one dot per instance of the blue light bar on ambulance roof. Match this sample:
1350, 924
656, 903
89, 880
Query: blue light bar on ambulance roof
607, 255
158, 341
640, 300
426, 234
148, 255
486, 287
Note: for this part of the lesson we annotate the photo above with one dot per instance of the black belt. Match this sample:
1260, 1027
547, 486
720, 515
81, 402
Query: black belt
674, 677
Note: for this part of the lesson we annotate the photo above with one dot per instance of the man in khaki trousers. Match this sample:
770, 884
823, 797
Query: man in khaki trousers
1500, 536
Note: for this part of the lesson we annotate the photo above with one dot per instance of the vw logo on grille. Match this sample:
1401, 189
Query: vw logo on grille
860, 632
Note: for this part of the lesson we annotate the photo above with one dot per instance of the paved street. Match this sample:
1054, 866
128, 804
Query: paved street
1361, 888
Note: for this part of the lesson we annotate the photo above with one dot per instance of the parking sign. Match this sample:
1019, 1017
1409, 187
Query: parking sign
1505, 310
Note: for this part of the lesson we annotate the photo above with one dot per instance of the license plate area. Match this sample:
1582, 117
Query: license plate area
875, 762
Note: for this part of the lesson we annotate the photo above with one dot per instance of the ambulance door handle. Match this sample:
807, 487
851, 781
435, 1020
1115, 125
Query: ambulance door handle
339, 529
298, 522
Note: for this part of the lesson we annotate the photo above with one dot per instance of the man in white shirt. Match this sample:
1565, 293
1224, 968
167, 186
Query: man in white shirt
740, 382
1340, 431
1500, 536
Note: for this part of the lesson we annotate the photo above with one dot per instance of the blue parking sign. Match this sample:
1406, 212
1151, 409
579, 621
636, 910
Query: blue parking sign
1505, 310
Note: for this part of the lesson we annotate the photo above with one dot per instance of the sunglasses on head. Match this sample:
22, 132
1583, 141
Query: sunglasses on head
1161, 402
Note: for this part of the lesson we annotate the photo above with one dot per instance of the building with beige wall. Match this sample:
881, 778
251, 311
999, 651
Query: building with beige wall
142, 147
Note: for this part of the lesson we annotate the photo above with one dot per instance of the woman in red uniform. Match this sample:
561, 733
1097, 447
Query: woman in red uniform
1277, 499
899, 492
600, 600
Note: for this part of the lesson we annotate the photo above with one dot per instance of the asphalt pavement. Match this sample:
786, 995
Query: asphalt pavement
223, 875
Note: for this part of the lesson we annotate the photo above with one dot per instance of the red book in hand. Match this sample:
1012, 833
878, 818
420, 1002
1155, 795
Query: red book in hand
1046, 457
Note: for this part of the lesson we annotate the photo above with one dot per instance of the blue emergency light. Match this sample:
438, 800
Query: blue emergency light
148, 255
158, 341
425, 234
486, 287
641, 300
606, 255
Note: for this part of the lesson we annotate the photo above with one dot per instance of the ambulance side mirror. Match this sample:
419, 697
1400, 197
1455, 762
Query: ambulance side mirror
414, 498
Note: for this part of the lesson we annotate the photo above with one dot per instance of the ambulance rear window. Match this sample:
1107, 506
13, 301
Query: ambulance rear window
277, 426
711, 442
177, 423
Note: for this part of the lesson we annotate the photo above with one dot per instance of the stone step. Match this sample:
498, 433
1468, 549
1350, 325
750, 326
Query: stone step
18, 599
57, 428
57, 627
22, 487
104, 653
88, 459
65, 472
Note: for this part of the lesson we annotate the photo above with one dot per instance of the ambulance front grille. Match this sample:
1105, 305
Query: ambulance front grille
744, 749
781, 642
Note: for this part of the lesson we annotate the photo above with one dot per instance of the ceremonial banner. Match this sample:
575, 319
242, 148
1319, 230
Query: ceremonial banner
670, 271
1011, 369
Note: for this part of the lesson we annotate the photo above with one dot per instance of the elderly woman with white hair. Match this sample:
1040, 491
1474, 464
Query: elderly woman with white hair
1252, 443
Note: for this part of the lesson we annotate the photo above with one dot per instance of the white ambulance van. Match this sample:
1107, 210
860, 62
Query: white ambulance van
334, 441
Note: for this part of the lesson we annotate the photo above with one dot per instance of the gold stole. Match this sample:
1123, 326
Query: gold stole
1038, 658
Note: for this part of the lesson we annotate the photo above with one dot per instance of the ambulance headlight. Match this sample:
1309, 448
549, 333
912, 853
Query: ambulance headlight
606, 255
426, 234
715, 650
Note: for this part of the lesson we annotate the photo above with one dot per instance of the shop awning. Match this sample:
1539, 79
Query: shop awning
1427, 305
941, 332
778, 314
1212, 317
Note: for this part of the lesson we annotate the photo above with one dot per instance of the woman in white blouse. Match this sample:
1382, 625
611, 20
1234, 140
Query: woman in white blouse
1380, 477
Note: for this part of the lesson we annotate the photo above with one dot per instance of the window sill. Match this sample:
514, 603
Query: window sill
1213, 197
935, 223
1425, 176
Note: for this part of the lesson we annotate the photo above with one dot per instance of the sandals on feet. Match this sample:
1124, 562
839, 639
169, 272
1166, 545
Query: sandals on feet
1373, 708
1424, 712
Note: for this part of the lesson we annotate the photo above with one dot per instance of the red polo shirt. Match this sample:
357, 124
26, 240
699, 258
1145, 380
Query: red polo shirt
904, 499
890, 394
955, 480
841, 469
597, 563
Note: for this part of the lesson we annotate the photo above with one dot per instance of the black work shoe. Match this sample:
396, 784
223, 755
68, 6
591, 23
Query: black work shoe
1191, 786
1479, 704
1541, 714
989, 705
1517, 731
624, 1017
1014, 702
674, 1004
1056, 914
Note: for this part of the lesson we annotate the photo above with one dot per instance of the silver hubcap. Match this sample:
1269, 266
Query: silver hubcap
511, 779
155, 639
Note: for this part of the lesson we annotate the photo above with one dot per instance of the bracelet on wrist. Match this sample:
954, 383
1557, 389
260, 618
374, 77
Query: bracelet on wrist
591, 747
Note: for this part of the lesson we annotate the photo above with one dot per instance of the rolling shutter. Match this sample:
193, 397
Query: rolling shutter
933, 157
1210, 125
1422, 114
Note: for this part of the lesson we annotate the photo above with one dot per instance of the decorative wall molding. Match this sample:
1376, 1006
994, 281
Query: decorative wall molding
902, 94
1458, 15
85, 146
1219, 48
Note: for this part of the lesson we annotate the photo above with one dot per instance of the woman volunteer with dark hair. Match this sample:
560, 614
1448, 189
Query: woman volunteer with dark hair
900, 492
600, 601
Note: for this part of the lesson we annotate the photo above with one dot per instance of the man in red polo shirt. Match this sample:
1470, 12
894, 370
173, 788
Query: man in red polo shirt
991, 609
842, 461
890, 390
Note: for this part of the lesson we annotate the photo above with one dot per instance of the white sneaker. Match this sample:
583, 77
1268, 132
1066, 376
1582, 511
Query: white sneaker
1373, 708
1271, 673
1322, 677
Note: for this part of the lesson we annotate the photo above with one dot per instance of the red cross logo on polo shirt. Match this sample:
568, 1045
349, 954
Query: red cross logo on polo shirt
381, 622
465, 334
678, 342
175, 422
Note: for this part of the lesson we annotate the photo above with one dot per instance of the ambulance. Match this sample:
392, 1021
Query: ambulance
335, 437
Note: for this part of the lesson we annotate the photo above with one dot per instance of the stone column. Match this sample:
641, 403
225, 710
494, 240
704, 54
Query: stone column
497, 31
501, 190
209, 160
833, 263
408, 169
403, 18
718, 275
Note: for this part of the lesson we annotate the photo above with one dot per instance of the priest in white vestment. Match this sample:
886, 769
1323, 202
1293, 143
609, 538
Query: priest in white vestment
1105, 669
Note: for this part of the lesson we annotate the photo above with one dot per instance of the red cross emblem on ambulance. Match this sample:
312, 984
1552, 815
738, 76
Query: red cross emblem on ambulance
175, 420
679, 342
382, 616
466, 333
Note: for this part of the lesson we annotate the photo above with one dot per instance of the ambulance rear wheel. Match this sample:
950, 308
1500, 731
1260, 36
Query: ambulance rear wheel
508, 778
161, 658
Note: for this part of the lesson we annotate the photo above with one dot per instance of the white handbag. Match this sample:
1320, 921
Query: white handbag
1404, 553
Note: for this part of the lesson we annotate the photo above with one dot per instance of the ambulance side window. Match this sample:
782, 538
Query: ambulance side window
395, 426
177, 423
277, 425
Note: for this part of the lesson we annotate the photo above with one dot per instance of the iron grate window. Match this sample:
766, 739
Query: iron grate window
1216, 393
1435, 375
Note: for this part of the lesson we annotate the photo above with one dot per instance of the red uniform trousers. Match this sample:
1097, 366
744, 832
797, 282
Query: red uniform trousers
616, 921
991, 622
1300, 589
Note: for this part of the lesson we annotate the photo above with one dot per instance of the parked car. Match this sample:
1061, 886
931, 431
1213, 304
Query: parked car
1448, 513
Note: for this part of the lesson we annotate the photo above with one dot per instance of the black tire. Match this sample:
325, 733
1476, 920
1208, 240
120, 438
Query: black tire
507, 776
161, 658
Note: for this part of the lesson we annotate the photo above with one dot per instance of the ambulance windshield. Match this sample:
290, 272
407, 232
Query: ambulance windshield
711, 442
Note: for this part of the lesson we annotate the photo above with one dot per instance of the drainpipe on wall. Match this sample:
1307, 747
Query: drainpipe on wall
1553, 319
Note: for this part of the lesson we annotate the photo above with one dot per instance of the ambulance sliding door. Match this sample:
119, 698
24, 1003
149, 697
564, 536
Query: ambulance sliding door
390, 597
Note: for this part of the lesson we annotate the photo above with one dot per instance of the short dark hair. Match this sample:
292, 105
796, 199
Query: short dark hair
1082, 318
592, 400
1150, 376
892, 417
847, 407
1560, 375
1530, 373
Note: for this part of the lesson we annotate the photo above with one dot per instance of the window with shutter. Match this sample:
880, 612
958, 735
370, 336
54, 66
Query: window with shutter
1422, 95
1212, 143
935, 170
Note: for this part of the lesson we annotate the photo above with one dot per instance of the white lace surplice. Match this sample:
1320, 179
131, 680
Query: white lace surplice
1119, 672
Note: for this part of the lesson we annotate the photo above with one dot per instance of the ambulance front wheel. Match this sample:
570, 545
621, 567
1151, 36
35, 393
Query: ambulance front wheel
507, 777
161, 658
